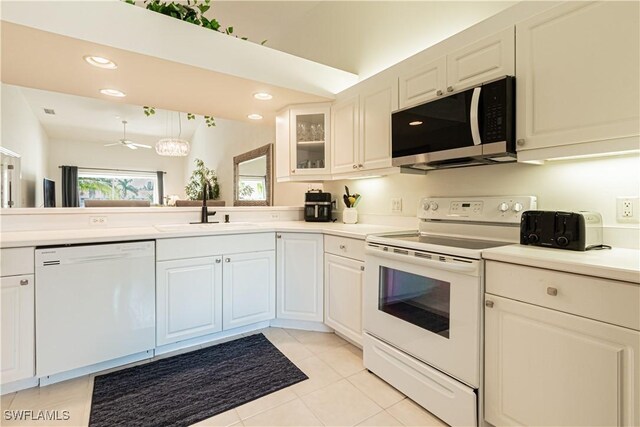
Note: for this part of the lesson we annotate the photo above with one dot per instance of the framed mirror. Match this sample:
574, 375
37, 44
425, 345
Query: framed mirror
252, 183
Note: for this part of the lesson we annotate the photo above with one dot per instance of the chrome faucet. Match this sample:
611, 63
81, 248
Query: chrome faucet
205, 214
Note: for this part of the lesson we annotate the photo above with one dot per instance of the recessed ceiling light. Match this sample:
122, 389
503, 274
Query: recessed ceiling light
262, 96
416, 123
255, 116
113, 92
101, 62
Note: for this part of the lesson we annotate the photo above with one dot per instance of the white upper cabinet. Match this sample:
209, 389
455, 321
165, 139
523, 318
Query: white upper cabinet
310, 142
377, 101
481, 61
361, 127
423, 83
345, 135
303, 143
578, 68
300, 277
484, 60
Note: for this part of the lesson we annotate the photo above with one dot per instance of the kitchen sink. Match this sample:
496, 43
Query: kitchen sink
200, 226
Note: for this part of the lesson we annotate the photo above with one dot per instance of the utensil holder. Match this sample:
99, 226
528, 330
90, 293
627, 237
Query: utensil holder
350, 216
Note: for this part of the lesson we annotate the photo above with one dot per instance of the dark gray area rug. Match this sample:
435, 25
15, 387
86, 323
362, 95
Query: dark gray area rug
184, 389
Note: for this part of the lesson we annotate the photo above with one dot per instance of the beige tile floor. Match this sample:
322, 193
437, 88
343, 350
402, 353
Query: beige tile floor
339, 392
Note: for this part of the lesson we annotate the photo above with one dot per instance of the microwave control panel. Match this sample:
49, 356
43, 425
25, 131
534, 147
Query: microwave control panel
506, 209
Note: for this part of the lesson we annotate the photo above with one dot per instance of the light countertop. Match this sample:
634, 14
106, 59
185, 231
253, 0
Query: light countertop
97, 235
616, 263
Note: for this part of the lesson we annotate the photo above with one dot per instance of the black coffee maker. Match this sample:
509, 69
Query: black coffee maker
317, 206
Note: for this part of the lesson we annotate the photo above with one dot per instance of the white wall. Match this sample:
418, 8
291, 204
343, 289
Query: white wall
363, 37
218, 145
589, 184
96, 155
23, 134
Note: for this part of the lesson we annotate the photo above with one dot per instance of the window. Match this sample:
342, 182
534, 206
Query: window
252, 188
95, 184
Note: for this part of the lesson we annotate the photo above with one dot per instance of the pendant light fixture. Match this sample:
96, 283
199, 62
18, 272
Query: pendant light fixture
174, 147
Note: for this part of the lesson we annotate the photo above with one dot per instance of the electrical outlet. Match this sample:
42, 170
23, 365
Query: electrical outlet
627, 209
396, 204
275, 215
97, 220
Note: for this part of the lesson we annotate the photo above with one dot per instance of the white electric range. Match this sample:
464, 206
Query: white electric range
423, 296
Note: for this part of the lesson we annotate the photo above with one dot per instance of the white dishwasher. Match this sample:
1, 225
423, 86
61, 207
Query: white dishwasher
94, 303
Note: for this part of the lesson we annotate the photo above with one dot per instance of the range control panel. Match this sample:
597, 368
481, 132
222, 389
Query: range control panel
502, 209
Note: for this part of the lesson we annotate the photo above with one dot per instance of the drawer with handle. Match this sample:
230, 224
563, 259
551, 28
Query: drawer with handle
609, 301
344, 246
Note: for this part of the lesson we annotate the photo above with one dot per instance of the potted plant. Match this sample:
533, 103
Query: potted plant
199, 176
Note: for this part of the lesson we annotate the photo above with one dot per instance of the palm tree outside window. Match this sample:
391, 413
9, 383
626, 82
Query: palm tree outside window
96, 184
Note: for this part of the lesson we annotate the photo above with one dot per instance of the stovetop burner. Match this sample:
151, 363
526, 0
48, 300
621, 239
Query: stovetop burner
447, 241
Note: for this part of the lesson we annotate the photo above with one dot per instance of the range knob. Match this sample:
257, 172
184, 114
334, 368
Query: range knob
517, 207
533, 238
426, 205
503, 207
434, 206
562, 241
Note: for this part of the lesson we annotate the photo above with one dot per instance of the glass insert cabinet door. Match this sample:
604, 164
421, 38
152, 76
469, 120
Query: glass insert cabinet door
310, 131
420, 300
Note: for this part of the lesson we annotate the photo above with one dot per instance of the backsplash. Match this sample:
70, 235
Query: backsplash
587, 184
80, 218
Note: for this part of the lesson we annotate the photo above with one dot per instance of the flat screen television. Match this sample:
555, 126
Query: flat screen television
49, 187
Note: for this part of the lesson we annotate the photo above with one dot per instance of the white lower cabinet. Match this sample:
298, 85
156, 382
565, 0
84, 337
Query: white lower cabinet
300, 276
231, 284
248, 288
548, 367
18, 329
188, 298
344, 278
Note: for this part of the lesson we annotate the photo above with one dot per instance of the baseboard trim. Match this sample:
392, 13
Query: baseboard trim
18, 385
305, 325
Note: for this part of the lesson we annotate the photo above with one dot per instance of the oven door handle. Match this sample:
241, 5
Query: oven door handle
470, 267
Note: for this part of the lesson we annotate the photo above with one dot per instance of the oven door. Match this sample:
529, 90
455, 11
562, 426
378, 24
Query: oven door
427, 307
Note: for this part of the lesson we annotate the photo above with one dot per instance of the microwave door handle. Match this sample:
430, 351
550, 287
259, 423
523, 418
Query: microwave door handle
473, 116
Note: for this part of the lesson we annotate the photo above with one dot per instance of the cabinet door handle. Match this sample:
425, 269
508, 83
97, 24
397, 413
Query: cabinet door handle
360, 166
227, 260
24, 282
439, 93
488, 303
278, 236
520, 142
355, 166
552, 291
449, 88
362, 268
343, 247
218, 260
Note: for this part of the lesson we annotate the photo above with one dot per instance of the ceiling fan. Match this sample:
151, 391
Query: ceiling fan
126, 142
